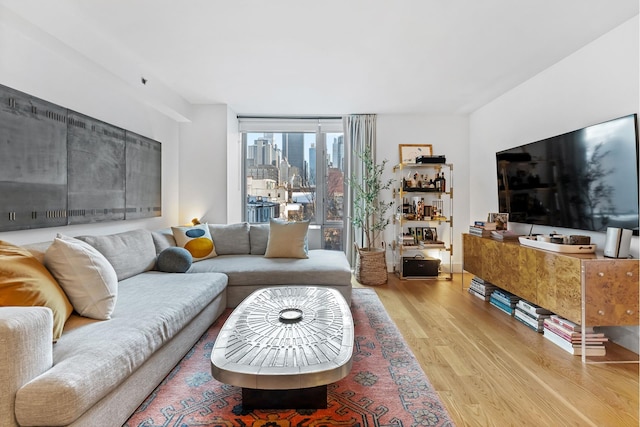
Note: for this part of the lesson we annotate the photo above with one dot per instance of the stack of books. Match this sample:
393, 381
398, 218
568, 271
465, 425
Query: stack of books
482, 228
531, 315
568, 336
503, 300
481, 288
504, 235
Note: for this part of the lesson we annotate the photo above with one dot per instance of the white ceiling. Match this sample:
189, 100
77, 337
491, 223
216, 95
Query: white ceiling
327, 57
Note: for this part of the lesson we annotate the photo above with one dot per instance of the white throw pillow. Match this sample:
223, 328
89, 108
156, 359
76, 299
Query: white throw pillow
287, 239
85, 275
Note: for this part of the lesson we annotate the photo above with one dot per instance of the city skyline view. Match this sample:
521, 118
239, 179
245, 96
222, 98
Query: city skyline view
284, 178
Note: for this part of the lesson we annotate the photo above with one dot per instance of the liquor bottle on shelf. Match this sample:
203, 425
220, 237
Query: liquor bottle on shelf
437, 183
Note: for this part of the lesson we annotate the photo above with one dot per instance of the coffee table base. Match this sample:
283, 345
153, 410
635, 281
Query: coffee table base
302, 398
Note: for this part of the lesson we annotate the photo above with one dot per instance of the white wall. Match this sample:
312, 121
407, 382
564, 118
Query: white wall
595, 84
34, 63
210, 172
449, 136
203, 165
234, 169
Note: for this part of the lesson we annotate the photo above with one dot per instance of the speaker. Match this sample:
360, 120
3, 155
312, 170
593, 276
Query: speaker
617, 243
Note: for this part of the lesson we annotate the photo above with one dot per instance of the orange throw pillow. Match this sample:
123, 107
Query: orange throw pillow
25, 281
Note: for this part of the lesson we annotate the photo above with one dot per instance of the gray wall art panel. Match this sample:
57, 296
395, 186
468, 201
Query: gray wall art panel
60, 167
33, 162
96, 170
144, 176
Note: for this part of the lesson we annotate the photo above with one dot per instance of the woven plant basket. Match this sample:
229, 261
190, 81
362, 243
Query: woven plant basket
371, 266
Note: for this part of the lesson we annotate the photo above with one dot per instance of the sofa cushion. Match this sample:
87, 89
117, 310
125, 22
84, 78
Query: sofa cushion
196, 239
130, 253
231, 239
85, 275
259, 237
38, 249
25, 281
322, 267
92, 360
163, 239
287, 239
174, 260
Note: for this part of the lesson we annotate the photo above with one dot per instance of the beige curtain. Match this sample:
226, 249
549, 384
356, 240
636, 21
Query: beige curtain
360, 132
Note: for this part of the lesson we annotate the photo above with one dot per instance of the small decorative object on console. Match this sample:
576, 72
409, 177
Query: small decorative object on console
575, 239
500, 219
617, 243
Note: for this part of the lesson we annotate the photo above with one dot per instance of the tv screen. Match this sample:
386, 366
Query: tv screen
586, 179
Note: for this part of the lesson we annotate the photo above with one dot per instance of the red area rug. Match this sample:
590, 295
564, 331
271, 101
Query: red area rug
386, 386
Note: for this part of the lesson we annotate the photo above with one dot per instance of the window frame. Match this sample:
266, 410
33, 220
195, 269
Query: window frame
321, 126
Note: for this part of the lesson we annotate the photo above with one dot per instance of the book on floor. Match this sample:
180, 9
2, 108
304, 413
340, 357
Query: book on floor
568, 324
532, 308
501, 306
528, 321
479, 295
575, 349
538, 317
566, 327
506, 297
482, 287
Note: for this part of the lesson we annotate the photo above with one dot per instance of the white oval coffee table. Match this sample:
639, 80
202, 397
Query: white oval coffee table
283, 345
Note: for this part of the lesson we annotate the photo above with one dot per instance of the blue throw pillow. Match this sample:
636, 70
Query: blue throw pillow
174, 260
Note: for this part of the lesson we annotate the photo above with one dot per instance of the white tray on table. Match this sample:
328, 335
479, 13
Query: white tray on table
557, 247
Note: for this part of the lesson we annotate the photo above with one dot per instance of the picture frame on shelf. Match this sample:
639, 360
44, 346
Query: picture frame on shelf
409, 152
430, 235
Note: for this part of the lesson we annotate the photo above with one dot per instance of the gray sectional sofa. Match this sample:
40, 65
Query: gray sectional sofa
100, 371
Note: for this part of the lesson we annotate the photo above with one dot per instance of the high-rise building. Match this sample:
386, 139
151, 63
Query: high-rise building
293, 149
338, 153
312, 165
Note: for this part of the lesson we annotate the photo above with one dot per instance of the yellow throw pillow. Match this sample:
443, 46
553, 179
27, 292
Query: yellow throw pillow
25, 281
196, 239
287, 239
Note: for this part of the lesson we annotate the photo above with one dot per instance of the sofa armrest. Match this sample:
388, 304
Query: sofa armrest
26, 351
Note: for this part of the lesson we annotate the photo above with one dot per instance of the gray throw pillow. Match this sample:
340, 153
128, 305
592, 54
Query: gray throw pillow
259, 237
174, 260
163, 239
231, 239
130, 253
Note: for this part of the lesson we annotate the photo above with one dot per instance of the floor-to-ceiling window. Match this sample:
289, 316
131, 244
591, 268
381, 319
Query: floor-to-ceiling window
294, 170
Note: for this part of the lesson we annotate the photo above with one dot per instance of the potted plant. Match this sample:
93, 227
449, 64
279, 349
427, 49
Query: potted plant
370, 215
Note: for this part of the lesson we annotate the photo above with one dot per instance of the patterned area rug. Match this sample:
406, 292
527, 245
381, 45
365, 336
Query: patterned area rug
386, 386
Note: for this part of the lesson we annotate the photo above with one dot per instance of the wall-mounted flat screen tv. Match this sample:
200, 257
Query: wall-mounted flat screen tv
585, 180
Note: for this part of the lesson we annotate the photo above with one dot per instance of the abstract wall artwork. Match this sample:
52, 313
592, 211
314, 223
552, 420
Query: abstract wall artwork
144, 176
59, 167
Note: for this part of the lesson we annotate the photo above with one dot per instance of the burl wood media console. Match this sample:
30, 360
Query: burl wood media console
588, 289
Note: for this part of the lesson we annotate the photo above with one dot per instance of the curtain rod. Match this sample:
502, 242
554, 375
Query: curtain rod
291, 117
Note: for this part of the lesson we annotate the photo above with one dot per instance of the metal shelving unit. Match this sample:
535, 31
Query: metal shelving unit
423, 222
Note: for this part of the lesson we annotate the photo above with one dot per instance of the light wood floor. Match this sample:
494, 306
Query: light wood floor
490, 370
